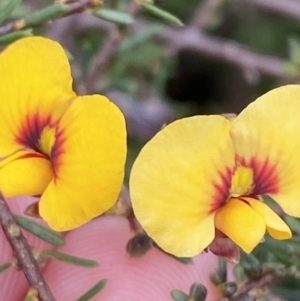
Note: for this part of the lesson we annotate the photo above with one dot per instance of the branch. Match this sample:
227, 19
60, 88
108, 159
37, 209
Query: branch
260, 283
224, 50
47, 15
288, 8
186, 38
23, 253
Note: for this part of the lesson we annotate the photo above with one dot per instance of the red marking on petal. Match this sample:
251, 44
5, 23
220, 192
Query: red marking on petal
32, 155
57, 151
222, 188
31, 129
265, 175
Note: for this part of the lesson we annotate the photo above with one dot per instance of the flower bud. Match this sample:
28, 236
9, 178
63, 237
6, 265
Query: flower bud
139, 245
198, 292
229, 289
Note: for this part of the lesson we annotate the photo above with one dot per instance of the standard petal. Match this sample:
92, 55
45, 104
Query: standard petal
276, 227
36, 88
27, 173
241, 223
88, 159
266, 138
179, 180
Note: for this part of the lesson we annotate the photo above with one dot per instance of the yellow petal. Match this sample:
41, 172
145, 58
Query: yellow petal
241, 223
276, 227
88, 159
266, 138
36, 88
28, 173
179, 180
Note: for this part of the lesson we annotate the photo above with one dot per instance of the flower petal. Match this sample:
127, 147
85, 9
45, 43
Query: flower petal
88, 159
241, 223
29, 173
36, 88
276, 227
179, 180
266, 138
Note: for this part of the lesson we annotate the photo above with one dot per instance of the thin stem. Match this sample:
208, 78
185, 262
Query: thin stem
256, 284
72, 8
105, 55
23, 252
260, 283
80, 6
103, 58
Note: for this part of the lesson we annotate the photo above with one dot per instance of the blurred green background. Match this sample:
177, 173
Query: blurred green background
155, 81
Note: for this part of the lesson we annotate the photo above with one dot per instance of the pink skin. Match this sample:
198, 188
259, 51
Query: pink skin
151, 277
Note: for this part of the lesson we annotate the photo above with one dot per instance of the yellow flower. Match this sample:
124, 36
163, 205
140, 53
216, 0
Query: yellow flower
70, 149
205, 172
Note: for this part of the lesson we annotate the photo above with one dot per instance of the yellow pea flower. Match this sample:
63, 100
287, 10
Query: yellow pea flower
69, 149
205, 173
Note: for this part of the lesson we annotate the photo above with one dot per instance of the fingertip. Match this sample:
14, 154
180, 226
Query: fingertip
151, 277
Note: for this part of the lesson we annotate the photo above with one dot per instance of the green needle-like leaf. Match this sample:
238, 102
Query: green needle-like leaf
7, 7
70, 259
93, 291
132, 41
178, 295
161, 14
239, 273
40, 231
4, 267
114, 16
13, 36
46, 14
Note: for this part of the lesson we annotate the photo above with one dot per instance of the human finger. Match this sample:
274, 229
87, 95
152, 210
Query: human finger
151, 277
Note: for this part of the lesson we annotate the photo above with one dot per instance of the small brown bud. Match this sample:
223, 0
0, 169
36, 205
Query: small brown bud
32, 295
229, 289
198, 292
15, 264
14, 229
33, 210
139, 245
219, 276
39, 257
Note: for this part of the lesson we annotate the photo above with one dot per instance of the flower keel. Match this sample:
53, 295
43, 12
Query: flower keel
241, 223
